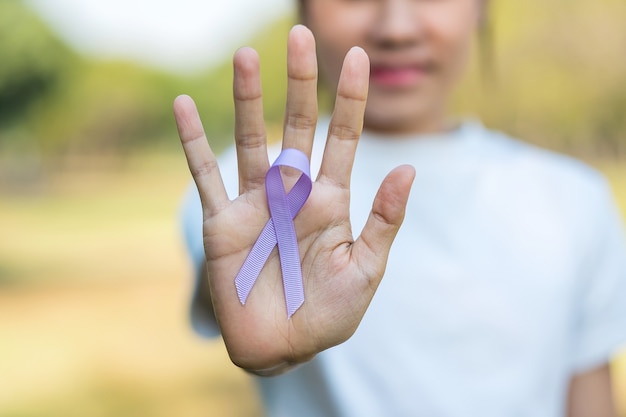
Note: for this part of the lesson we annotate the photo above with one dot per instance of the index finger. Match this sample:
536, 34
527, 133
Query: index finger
347, 120
200, 158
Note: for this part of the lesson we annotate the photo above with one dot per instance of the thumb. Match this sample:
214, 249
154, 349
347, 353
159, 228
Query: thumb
371, 249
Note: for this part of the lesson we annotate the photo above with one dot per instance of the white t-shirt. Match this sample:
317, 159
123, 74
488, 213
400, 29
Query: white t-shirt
507, 276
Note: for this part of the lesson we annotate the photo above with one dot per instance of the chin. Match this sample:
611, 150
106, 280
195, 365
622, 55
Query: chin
395, 119
403, 113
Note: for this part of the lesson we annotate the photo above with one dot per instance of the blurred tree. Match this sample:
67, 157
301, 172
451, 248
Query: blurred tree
213, 91
108, 106
557, 78
53, 101
559, 68
32, 59
72, 104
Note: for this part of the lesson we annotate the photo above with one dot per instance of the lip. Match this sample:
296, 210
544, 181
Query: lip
397, 77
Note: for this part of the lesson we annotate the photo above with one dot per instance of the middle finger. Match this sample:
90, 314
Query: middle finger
301, 111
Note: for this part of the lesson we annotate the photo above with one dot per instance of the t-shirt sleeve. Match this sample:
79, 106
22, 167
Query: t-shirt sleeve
200, 316
600, 325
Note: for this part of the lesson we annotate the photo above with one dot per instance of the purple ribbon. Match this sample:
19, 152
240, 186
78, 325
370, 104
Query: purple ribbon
279, 230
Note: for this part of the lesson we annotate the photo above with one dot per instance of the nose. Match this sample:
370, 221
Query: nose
397, 24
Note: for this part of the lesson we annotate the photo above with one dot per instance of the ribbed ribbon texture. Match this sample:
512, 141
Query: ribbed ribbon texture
279, 230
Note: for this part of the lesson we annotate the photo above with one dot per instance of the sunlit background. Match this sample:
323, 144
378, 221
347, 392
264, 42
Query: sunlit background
93, 275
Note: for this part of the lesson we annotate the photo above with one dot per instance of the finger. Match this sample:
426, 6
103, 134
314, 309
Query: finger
250, 135
347, 120
301, 111
371, 249
200, 158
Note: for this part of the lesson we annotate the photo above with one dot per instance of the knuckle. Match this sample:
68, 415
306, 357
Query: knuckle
300, 121
189, 137
344, 132
251, 140
301, 75
247, 95
203, 169
352, 97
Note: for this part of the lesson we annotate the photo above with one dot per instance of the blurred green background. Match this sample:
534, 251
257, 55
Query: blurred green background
93, 275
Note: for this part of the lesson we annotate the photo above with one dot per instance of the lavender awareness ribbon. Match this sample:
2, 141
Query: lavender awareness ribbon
279, 230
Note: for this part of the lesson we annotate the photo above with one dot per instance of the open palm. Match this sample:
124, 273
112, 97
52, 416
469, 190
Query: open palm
340, 274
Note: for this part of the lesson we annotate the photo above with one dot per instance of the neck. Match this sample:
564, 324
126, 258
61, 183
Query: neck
433, 123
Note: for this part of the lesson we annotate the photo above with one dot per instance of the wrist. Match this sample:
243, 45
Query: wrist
279, 369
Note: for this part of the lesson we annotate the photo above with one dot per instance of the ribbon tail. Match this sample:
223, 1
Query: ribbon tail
288, 250
290, 265
294, 294
251, 268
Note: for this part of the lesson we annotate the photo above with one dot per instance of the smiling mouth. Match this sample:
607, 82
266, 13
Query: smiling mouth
397, 77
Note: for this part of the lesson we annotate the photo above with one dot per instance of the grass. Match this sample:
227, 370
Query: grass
93, 289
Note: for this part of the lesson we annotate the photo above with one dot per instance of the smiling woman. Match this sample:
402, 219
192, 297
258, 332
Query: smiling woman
417, 55
505, 289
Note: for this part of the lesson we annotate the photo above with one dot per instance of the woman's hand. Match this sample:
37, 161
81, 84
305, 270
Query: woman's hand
340, 274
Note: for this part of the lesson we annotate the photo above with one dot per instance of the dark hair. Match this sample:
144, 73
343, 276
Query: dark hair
485, 41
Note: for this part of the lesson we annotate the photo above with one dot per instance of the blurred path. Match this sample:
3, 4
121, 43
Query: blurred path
93, 300
100, 350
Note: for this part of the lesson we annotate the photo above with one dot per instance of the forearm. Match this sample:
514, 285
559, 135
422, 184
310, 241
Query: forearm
201, 312
203, 296
591, 394
273, 371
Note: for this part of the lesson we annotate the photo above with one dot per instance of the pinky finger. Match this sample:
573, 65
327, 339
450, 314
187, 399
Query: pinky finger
200, 157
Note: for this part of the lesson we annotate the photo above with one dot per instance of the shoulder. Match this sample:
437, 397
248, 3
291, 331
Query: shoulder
538, 167
551, 190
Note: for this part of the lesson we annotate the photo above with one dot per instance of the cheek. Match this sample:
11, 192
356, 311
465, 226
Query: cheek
330, 60
335, 33
452, 34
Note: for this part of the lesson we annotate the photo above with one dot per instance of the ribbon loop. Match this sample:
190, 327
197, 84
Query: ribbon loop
279, 230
